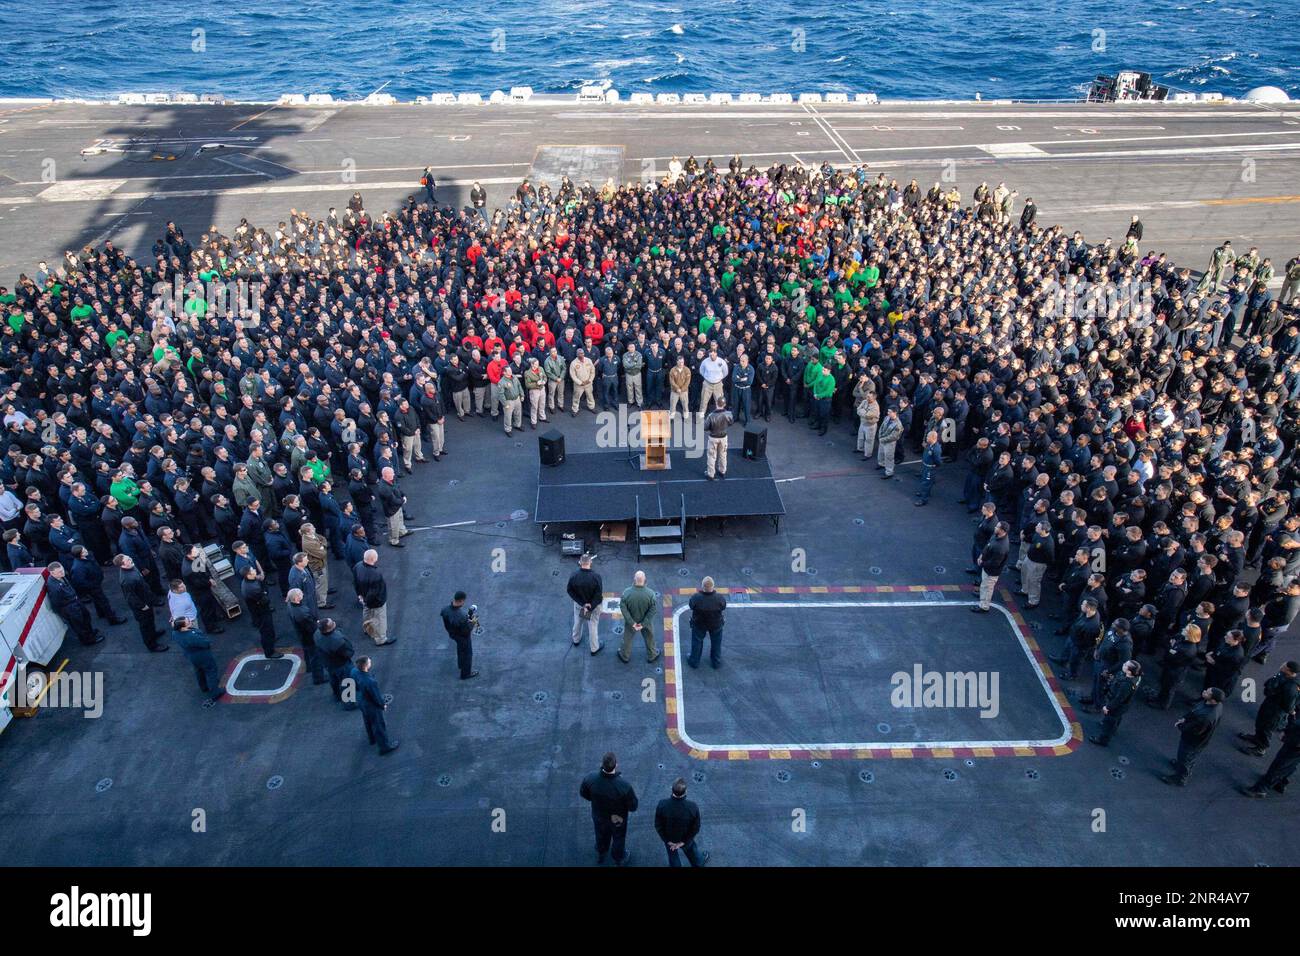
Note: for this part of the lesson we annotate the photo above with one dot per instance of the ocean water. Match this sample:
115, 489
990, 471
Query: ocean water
253, 49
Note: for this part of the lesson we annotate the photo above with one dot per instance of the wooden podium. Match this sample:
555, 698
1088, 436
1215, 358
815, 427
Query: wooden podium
656, 429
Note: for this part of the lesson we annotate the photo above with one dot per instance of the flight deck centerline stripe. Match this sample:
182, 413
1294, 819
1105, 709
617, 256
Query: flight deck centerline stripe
1064, 744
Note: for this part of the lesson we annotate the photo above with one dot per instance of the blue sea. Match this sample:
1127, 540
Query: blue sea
252, 49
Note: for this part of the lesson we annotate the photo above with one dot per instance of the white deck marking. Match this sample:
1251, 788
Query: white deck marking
295, 665
1011, 150
81, 190
247, 190
232, 163
849, 153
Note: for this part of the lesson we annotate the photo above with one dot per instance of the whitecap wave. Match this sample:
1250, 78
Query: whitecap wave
608, 66
677, 28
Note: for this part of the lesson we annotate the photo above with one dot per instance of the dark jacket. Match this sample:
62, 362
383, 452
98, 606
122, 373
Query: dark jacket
368, 694
1120, 694
139, 597
1114, 651
1085, 630
370, 585
994, 556
196, 645
303, 618
390, 497
256, 597
585, 587
610, 795
86, 575
1280, 695
1199, 723
456, 621
1228, 664
706, 611
63, 598
1180, 657
136, 545
336, 648
677, 820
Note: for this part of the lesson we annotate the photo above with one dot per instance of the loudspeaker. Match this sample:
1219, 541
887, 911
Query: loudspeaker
755, 442
550, 447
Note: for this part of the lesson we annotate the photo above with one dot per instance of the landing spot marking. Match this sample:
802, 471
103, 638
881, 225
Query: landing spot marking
265, 681
675, 707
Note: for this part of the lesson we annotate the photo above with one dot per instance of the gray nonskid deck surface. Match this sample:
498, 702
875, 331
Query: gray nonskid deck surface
124, 789
1087, 166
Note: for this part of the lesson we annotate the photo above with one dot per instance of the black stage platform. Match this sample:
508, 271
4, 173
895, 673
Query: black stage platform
607, 486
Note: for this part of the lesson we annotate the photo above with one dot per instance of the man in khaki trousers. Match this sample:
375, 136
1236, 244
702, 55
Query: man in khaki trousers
556, 372
715, 427
679, 387
582, 371
313, 545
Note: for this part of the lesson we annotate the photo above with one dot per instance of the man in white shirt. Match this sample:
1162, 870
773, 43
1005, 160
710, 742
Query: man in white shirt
713, 372
14, 415
10, 506
180, 604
